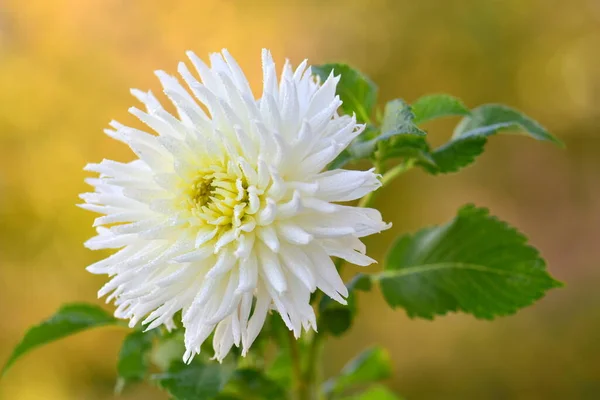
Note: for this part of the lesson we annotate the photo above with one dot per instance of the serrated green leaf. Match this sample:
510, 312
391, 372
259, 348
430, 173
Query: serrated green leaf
372, 365
132, 364
408, 147
253, 384
69, 319
475, 264
377, 392
357, 92
197, 381
337, 318
470, 136
436, 106
397, 123
455, 154
500, 117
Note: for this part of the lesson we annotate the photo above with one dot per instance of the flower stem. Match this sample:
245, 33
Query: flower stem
300, 386
397, 170
307, 381
312, 374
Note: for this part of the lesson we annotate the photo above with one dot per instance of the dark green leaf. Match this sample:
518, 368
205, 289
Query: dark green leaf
69, 319
455, 154
488, 119
252, 384
358, 93
371, 365
132, 365
197, 381
336, 318
408, 147
476, 264
397, 124
377, 392
436, 106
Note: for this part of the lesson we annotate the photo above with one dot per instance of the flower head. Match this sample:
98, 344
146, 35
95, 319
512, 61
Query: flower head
227, 213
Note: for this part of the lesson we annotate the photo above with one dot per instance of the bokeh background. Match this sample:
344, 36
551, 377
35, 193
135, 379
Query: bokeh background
65, 70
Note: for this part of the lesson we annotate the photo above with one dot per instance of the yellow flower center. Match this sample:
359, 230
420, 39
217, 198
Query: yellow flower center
220, 197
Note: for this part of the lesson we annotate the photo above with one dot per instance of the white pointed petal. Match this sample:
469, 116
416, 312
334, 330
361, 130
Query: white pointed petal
294, 233
271, 269
248, 274
344, 185
226, 214
268, 235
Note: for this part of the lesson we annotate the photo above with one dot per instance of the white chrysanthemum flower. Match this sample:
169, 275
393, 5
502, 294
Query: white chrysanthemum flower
227, 213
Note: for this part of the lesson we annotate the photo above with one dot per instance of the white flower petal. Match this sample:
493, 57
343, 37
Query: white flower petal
226, 213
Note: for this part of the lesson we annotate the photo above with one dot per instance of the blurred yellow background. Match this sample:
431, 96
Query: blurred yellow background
65, 70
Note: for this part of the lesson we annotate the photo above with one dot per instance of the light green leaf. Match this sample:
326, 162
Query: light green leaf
476, 264
336, 318
436, 106
398, 118
378, 392
371, 365
133, 359
169, 349
69, 319
197, 381
488, 119
357, 92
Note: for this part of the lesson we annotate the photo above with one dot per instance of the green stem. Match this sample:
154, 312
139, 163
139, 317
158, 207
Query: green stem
312, 374
397, 170
300, 386
307, 382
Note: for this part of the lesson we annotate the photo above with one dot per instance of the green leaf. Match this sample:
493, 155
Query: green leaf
358, 93
455, 154
337, 318
378, 392
69, 319
470, 136
132, 365
397, 123
398, 118
197, 381
408, 147
475, 263
488, 119
253, 384
436, 106
372, 365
